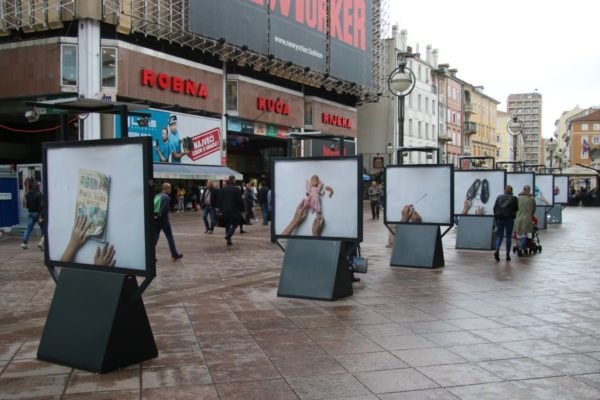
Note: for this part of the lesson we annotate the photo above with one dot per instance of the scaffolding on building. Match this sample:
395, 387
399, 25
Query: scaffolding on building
167, 20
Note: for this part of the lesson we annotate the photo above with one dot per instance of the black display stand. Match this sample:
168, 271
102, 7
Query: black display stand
315, 269
541, 212
554, 215
475, 232
417, 246
97, 322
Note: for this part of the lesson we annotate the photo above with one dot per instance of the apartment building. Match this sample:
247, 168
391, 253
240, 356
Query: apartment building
527, 107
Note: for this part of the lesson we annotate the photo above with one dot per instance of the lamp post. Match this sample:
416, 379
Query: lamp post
550, 147
401, 82
389, 149
514, 128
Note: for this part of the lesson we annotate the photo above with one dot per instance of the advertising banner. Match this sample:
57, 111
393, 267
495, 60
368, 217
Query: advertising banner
331, 148
409, 200
98, 201
295, 31
561, 189
475, 192
317, 198
241, 22
178, 138
351, 52
544, 189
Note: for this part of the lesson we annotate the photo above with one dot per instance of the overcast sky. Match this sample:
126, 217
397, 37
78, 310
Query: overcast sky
513, 46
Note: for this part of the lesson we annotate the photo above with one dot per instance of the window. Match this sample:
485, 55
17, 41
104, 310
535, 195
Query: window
498, 139
585, 127
458, 95
410, 101
109, 67
232, 98
498, 153
427, 131
419, 103
420, 77
433, 107
419, 129
426, 75
426, 105
596, 127
410, 128
68, 65
308, 113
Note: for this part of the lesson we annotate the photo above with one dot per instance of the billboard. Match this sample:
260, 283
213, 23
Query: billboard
295, 31
561, 189
418, 194
99, 205
317, 198
178, 138
475, 191
544, 189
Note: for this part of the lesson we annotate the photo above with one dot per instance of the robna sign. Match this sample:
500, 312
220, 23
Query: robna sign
336, 120
174, 83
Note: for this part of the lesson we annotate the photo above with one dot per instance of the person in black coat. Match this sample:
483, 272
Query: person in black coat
230, 206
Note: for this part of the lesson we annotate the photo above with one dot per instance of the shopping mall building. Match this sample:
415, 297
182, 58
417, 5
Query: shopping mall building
238, 77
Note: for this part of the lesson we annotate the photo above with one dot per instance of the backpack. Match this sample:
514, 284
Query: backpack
157, 204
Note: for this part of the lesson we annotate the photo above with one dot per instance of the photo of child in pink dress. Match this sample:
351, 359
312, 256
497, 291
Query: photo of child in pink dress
314, 191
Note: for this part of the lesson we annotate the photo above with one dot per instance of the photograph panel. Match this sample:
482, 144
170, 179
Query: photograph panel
476, 191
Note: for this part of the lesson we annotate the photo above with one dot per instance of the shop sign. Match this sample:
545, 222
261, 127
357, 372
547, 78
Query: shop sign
377, 162
176, 84
260, 129
282, 132
272, 130
204, 144
337, 120
234, 125
270, 105
248, 128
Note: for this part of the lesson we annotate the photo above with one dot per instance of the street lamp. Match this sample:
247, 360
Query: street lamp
389, 149
550, 147
401, 82
514, 128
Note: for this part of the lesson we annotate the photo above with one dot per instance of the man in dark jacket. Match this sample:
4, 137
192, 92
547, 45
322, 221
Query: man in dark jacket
263, 201
161, 221
505, 211
230, 206
208, 203
33, 202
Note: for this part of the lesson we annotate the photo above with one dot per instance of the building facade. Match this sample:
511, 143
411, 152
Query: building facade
504, 140
527, 108
479, 122
585, 138
562, 136
244, 100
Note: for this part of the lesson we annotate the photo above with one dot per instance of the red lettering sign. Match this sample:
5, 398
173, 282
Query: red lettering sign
204, 144
270, 105
174, 83
336, 120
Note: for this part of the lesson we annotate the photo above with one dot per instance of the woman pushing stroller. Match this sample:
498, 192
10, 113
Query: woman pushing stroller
524, 225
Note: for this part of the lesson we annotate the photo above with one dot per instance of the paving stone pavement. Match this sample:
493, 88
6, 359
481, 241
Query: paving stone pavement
475, 329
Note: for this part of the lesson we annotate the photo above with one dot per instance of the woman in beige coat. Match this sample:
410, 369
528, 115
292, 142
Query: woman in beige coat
524, 220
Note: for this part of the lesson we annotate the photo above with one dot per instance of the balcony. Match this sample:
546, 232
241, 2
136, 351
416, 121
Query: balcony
470, 128
470, 107
444, 139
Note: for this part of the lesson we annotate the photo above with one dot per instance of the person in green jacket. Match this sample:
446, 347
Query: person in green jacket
524, 221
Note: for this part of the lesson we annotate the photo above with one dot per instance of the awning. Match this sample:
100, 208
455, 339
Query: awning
577, 170
199, 172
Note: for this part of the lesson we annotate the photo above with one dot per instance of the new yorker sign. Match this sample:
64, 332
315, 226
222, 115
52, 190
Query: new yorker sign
175, 84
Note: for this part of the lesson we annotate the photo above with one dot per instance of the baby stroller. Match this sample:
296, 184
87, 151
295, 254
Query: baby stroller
532, 245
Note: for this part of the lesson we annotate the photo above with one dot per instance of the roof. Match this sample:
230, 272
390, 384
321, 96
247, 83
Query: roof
578, 170
594, 116
199, 172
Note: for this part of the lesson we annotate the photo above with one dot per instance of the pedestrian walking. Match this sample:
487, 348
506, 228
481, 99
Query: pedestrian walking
374, 196
263, 201
181, 198
505, 211
34, 203
230, 206
208, 204
162, 203
524, 222
248, 204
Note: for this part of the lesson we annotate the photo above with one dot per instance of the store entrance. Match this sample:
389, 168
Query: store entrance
251, 154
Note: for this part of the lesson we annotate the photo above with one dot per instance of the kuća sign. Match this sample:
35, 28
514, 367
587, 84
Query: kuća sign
173, 83
277, 106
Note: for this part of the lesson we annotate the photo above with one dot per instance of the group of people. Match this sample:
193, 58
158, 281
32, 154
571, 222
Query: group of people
514, 214
169, 147
233, 205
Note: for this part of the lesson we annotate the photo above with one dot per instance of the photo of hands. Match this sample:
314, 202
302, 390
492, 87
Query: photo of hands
476, 191
316, 198
418, 194
544, 190
95, 205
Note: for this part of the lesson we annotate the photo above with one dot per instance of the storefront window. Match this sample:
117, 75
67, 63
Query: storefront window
232, 95
308, 113
68, 65
109, 67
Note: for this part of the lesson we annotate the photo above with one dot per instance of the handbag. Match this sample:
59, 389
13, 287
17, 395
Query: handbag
360, 265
